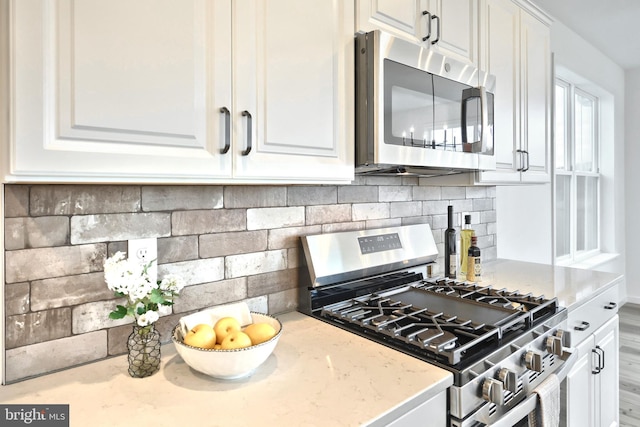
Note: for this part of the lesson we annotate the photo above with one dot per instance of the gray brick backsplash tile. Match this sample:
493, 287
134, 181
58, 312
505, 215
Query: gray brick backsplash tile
427, 193
322, 214
482, 204
174, 249
16, 298
93, 316
452, 193
255, 263
50, 356
383, 180
30, 328
276, 281
195, 271
22, 233
16, 200
221, 244
417, 220
394, 193
405, 209
284, 238
344, 226
312, 195
68, 291
171, 198
262, 218
284, 301
437, 207
382, 223
254, 196
476, 192
357, 194
488, 216
462, 205
33, 264
294, 256
208, 221
105, 227
211, 294
83, 199
368, 211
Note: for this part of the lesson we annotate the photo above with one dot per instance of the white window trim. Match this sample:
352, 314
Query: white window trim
594, 257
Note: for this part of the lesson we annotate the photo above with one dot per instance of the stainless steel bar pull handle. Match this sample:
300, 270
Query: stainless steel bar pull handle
437, 39
428, 15
599, 352
610, 306
583, 327
247, 150
227, 130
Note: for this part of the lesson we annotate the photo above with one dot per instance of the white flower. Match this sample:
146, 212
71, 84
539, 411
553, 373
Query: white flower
172, 283
145, 319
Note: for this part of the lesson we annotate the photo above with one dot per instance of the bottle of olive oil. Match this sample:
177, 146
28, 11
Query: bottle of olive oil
474, 262
465, 242
450, 258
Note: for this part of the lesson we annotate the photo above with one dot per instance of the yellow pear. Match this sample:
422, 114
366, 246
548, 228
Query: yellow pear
235, 339
201, 335
260, 332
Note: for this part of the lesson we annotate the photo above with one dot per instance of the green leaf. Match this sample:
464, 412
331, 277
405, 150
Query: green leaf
156, 296
118, 313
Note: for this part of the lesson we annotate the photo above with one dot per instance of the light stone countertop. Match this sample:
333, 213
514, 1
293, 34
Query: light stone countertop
318, 375
572, 286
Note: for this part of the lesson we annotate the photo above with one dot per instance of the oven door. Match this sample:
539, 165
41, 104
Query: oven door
519, 414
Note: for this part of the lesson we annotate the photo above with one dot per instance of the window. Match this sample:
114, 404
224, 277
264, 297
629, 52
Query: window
577, 178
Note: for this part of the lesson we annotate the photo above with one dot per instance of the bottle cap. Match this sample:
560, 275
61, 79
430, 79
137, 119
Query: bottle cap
467, 219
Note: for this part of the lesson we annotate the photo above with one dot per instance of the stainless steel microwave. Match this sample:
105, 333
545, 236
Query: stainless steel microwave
419, 112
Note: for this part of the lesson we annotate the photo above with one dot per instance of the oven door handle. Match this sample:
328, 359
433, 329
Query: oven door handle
530, 403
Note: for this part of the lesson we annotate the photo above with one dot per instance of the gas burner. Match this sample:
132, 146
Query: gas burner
442, 340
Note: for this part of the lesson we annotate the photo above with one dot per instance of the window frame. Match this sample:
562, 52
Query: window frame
569, 170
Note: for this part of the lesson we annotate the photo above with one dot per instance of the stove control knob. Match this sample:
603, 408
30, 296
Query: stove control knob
493, 391
533, 361
509, 379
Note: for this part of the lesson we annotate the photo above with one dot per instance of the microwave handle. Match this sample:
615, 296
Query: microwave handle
468, 94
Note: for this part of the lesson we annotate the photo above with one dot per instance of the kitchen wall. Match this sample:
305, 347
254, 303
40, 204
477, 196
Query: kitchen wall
230, 243
632, 158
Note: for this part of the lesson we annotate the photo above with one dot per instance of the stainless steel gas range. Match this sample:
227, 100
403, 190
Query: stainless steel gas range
498, 343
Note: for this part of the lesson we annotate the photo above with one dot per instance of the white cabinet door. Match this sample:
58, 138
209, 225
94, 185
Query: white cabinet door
447, 26
536, 97
578, 390
517, 51
293, 81
119, 91
607, 381
458, 21
502, 59
402, 18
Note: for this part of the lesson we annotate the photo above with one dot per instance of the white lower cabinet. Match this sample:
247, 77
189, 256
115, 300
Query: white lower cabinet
590, 392
188, 91
430, 413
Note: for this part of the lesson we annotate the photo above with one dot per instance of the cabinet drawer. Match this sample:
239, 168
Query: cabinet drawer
587, 318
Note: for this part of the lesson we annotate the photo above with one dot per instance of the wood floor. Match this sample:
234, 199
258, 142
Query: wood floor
629, 365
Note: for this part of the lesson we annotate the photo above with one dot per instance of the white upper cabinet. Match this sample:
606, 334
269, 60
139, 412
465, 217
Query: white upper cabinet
516, 49
155, 90
448, 26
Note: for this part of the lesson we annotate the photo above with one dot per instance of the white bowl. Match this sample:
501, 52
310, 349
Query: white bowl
228, 364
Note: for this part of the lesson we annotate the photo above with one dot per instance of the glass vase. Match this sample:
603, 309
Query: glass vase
144, 351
